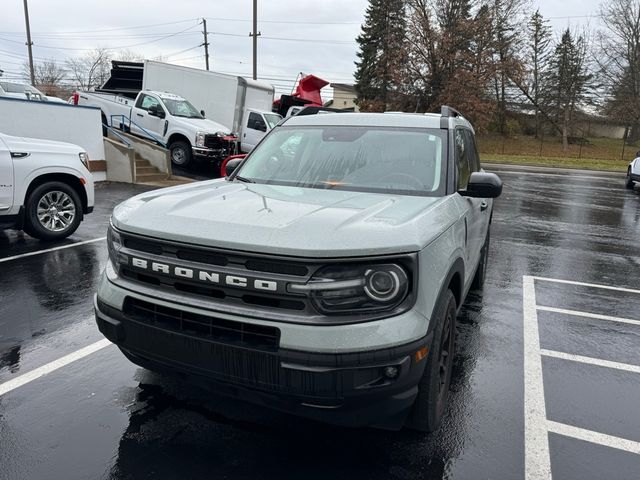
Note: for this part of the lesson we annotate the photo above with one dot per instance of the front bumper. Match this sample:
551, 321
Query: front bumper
210, 153
341, 388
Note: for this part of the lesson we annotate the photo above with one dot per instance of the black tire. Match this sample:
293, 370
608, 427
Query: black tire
629, 183
433, 389
58, 221
180, 152
481, 272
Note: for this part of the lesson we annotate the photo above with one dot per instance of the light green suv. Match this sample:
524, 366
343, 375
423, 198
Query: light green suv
322, 277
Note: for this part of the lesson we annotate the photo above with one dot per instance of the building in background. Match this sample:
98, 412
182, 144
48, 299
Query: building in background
344, 97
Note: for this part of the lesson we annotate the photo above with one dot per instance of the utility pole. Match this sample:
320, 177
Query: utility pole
29, 43
206, 42
255, 36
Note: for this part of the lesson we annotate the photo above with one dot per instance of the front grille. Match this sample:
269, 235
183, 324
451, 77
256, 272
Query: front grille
244, 265
224, 144
202, 326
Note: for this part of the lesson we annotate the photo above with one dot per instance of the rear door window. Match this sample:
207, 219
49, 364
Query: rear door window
462, 158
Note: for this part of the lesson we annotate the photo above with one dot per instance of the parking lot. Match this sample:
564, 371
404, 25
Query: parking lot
546, 381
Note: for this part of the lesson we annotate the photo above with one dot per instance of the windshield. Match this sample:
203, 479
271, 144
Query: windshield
272, 119
181, 108
371, 159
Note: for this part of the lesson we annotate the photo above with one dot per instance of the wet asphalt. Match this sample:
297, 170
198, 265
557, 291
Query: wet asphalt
102, 417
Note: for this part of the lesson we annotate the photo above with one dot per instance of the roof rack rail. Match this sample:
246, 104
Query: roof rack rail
447, 112
314, 110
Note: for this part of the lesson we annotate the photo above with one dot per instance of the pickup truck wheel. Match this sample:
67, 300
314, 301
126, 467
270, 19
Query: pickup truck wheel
53, 211
481, 272
433, 389
180, 153
629, 183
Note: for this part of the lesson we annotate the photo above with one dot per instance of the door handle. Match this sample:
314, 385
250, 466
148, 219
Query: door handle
483, 206
139, 114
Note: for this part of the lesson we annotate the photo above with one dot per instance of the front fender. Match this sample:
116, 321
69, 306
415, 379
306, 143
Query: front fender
25, 182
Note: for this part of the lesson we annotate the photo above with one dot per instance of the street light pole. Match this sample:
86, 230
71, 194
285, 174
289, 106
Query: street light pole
29, 43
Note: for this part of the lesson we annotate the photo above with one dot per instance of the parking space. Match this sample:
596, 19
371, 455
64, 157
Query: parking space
582, 377
545, 385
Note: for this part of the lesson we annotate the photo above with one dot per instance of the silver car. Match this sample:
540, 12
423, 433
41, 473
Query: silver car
322, 277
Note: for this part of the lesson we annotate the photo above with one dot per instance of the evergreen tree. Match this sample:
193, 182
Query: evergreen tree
569, 79
539, 43
382, 56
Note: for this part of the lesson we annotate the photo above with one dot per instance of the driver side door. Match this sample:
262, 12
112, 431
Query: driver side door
254, 129
143, 123
475, 209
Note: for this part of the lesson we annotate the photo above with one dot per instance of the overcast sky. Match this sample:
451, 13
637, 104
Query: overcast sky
307, 36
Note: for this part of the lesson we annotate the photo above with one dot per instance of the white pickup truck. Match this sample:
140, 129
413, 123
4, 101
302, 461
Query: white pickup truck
45, 186
168, 119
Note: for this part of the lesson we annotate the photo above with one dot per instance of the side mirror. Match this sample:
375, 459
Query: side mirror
156, 111
202, 113
232, 165
483, 185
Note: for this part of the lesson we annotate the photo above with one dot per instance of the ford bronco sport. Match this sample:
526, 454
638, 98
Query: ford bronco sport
322, 277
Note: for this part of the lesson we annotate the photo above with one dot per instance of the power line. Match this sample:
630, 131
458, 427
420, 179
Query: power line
303, 22
310, 40
114, 29
109, 48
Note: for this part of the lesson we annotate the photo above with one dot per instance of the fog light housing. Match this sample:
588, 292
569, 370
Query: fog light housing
391, 372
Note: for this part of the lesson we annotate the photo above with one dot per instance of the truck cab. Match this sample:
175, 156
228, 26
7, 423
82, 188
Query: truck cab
168, 119
255, 126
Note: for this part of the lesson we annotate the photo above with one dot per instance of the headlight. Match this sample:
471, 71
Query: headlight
114, 244
340, 289
84, 158
200, 139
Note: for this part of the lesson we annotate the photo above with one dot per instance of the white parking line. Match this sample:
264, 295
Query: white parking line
596, 316
593, 437
582, 284
38, 252
590, 360
537, 426
52, 366
537, 462
545, 174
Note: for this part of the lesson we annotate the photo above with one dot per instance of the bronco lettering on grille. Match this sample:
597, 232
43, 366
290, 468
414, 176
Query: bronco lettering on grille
204, 275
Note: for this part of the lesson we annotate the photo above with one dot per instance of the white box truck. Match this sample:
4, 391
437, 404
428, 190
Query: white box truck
242, 105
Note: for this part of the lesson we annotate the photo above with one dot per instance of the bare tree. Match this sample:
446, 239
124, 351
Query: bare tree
49, 77
451, 57
619, 62
90, 70
506, 16
127, 55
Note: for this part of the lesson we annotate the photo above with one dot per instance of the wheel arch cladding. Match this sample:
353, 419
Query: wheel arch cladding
454, 281
66, 178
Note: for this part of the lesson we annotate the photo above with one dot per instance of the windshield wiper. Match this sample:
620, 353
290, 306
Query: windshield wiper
243, 179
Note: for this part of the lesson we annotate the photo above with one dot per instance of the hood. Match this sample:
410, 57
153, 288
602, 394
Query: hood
287, 220
202, 125
25, 144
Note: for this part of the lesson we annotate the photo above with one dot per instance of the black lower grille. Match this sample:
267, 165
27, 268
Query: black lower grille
203, 326
224, 144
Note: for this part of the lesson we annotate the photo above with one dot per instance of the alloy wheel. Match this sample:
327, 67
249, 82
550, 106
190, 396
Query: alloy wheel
56, 211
